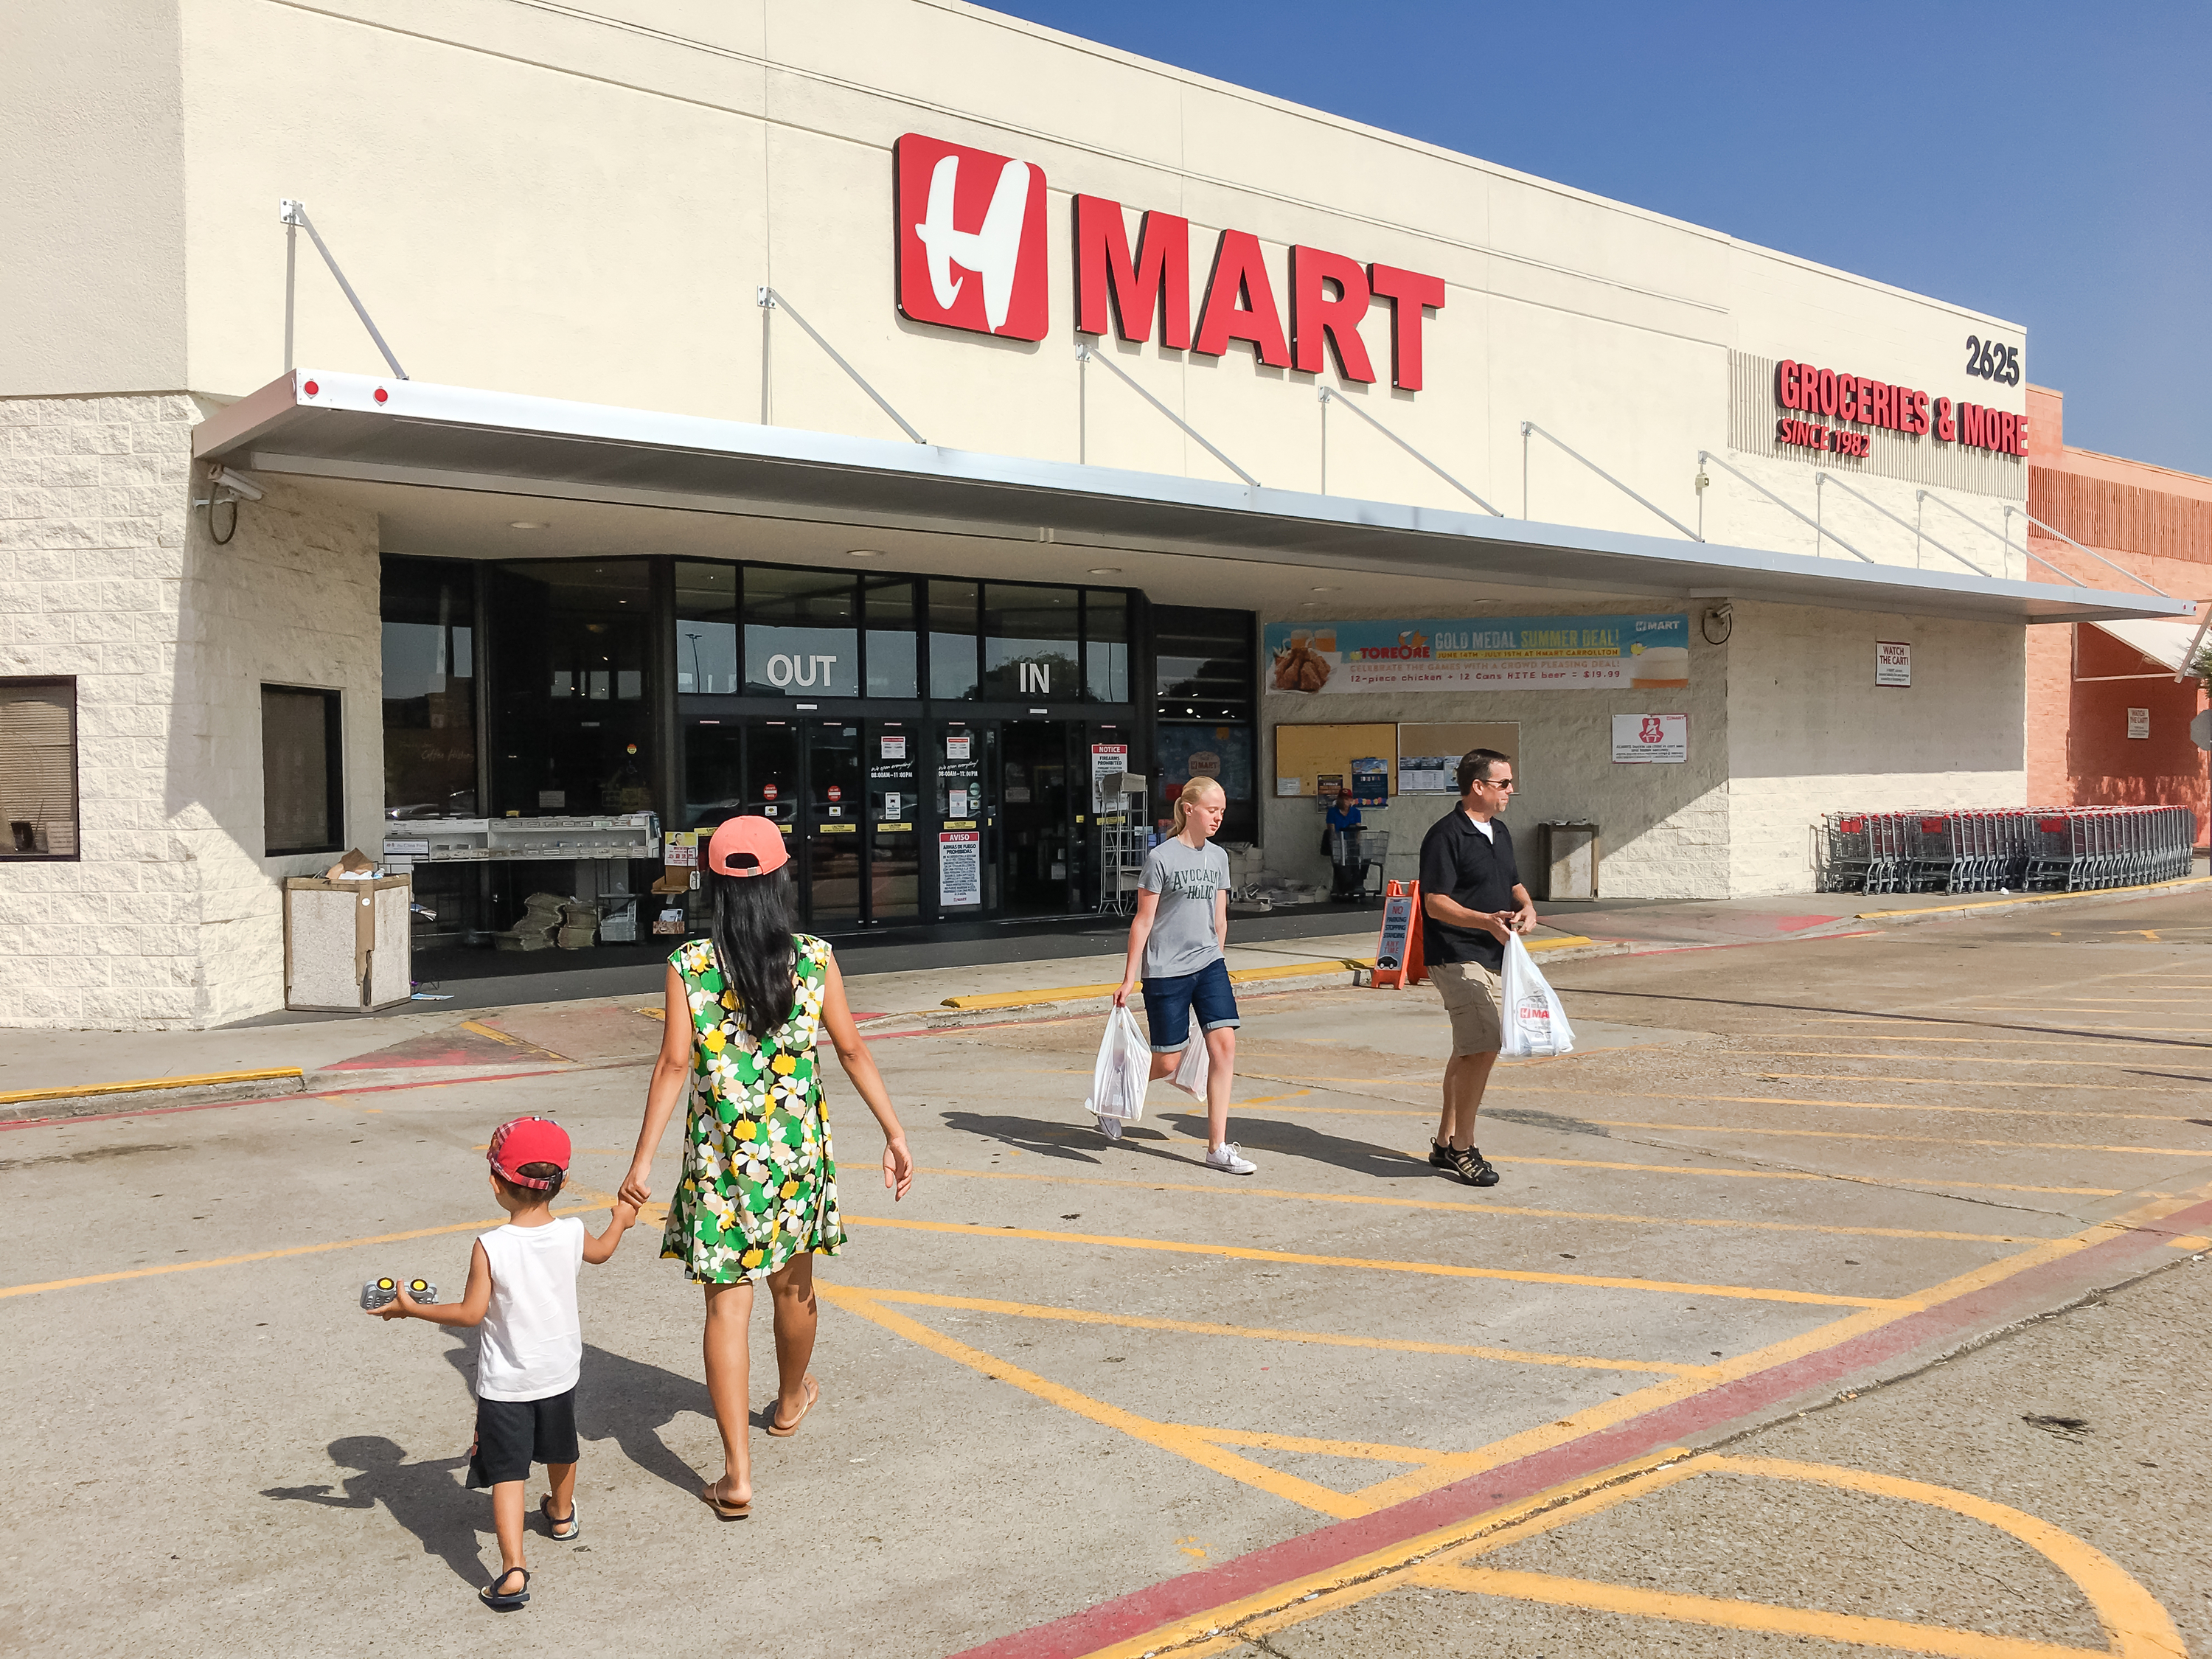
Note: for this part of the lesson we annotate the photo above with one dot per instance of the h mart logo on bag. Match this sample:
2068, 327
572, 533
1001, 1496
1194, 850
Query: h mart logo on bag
971, 238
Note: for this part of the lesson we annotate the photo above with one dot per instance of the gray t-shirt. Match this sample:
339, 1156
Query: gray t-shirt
1186, 878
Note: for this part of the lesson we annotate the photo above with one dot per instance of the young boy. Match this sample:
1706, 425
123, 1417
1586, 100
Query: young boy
522, 1292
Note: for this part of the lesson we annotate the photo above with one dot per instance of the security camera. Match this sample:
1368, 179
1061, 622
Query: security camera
221, 477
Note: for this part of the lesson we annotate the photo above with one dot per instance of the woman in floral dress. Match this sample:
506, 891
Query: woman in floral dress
757, 1199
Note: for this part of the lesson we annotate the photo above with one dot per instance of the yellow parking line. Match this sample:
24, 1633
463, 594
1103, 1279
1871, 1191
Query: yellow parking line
1439, 1269
1215, 1189
1293, 1442
1960, 1060
1318, 1339
1987, 1082
1869, 1134
1932, 1019
1170, 1436
1856, 1105
600, 1202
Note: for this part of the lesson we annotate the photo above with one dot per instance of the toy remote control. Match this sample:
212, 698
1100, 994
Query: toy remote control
380, 1291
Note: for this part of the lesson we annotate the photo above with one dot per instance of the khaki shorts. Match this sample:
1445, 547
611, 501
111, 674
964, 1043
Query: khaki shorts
1472, 998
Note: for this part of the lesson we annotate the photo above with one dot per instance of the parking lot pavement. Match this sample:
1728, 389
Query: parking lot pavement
1082, 1398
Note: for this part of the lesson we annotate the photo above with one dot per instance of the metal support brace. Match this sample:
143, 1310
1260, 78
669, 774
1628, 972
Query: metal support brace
2194, 645
1086, 354
1528, 427
294, 215
1931, 496
769, 300
1706, 456
1328, 396
2077, 547
1919, 535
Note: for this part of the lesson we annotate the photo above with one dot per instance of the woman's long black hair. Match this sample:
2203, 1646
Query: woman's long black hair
752, 945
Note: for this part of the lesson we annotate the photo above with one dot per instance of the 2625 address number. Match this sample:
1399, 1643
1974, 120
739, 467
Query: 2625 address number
1989, 361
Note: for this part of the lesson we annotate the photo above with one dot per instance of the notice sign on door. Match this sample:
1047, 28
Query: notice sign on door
959, 867
894, 748
956, 747
1108, 761
1893, 662
1641, 739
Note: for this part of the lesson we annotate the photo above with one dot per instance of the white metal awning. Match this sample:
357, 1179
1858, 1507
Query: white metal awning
2166, 642
406, 432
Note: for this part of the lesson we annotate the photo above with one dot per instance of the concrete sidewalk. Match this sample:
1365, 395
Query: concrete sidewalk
452, 1039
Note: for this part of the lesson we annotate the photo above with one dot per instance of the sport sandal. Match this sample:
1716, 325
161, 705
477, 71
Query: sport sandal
509, 1600
1473, 1168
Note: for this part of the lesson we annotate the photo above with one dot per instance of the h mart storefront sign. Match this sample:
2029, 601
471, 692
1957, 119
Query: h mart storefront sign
972, 255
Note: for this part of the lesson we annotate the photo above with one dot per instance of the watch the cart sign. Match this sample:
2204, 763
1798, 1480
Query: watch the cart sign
972, 248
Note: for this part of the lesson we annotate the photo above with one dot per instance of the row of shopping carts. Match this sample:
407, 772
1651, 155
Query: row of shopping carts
2054, 849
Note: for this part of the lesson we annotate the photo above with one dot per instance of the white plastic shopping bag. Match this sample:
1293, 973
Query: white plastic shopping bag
1190, 1074
1535, 1022
1125, 1066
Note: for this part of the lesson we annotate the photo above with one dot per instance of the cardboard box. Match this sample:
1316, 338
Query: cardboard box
347, 942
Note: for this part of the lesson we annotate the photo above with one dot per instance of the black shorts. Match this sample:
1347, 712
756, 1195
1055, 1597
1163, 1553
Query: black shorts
512, 1434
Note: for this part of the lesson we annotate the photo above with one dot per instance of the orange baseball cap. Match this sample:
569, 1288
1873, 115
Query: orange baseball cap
747, 846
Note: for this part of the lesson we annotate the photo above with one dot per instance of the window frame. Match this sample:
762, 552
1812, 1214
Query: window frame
7, 854
333, 772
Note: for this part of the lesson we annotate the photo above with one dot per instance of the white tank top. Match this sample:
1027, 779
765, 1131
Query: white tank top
531, 1344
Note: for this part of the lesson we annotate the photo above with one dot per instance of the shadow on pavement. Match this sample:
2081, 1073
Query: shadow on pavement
1047, 1139
625, 1401
424, 1497
1298, 1140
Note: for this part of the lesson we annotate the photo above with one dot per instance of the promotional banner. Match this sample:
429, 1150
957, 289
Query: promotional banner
1515, 653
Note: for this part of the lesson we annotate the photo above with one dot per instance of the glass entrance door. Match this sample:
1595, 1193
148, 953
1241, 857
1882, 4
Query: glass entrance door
833, 811
1037, 806
967, 868
894, 817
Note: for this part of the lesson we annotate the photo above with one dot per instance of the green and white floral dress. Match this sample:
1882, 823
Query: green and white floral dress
760, 1180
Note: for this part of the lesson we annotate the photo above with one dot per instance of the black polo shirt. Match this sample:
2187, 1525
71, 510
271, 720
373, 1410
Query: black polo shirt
1469, 868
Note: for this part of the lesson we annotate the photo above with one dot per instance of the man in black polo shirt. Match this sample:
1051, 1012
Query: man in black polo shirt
1473, 901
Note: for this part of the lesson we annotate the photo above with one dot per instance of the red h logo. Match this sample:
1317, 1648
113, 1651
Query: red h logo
971, 239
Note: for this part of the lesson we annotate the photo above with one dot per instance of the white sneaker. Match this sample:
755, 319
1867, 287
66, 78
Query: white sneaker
1109, 1126
1229, 1161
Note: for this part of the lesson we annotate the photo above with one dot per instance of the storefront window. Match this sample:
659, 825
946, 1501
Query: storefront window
713, 775
1029, 643
1106, 645
1203, 663
573, 724
707, 628
890, 619
429, 688
952, 639
802, 634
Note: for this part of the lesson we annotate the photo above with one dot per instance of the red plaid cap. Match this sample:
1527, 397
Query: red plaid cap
527, 1140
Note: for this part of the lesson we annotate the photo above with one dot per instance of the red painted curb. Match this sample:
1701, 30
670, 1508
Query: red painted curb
1330, 1547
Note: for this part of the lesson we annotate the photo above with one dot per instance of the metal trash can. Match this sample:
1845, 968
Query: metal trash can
1568, 854
348, 943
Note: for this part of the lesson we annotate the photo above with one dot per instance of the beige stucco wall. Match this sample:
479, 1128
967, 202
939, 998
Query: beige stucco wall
1664, 829
172, 916
1810, 732
92, 197
542, 201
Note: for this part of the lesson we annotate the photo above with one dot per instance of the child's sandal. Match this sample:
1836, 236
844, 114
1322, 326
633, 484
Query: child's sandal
563, 1531
491, 1596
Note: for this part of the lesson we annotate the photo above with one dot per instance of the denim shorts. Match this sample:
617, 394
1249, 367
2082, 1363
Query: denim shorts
1169, 1003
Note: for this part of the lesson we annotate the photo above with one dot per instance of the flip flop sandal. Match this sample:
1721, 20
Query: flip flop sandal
722, 1507
563, 1531
783, 1432
509, 1602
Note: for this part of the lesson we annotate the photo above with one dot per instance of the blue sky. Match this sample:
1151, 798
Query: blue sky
2051, 164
